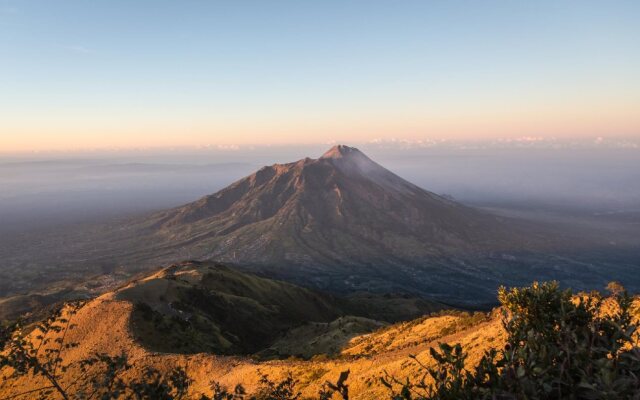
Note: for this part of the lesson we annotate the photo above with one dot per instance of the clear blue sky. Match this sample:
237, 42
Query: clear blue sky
130, 73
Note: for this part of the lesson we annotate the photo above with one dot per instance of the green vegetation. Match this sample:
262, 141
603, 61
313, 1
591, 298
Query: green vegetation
283, 390
466, 320
320, 341
197, 307
207, 307
559, 346
174, 334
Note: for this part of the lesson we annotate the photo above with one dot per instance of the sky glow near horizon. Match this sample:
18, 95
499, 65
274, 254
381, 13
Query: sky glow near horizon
85, 75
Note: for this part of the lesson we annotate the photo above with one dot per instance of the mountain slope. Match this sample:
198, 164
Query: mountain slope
193, 307
344, 193
111, 324
341, 222
208, 307
369, 350
157, 321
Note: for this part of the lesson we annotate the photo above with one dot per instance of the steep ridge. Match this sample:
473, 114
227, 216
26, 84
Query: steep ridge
209, 307
193, 307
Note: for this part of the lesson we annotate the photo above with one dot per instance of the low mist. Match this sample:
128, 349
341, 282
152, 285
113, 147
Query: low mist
47, 190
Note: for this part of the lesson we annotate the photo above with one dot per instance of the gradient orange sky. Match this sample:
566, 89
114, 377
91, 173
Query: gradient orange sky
81, 75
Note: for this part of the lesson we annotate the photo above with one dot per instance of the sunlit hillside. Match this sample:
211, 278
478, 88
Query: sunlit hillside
319, 351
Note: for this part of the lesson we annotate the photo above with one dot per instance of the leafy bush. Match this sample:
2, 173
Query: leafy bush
283, 390
559, 346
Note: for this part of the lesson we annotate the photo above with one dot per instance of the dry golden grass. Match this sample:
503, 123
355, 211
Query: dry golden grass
103, 326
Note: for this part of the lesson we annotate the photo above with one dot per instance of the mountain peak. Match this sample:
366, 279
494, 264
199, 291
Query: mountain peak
341, 151
326, 221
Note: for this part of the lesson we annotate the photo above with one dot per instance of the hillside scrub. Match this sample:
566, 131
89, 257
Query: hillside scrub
559, 346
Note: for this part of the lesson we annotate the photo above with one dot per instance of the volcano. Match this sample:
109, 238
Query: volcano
341, 222
340, 208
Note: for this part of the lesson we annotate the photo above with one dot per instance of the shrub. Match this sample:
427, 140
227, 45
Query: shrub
558, 347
